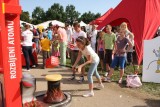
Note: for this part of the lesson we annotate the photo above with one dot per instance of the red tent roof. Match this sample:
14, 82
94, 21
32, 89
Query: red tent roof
100, 19
143, 17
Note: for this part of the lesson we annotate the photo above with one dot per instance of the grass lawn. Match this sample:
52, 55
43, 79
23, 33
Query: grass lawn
151, 88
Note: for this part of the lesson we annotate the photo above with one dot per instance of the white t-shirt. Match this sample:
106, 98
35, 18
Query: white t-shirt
93, 36
27, 38
89, 51
76, 35
69, 34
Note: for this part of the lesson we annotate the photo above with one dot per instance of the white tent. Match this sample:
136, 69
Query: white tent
22, 22
54, 22
44, 24
82, 23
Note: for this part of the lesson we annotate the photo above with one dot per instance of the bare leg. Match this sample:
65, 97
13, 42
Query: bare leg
99, 80
111, 72
102, 65
74, 72
90, 86
121, 73
83, 71
107, 67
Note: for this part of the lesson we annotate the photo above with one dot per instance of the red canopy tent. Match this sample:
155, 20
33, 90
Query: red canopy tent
143, 17
100, 19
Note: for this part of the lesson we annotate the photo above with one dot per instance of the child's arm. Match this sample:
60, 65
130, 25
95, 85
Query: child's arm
59, 36
50, 43
129, 46
40, 45
104, 47
89, 60
115, 48
56, 44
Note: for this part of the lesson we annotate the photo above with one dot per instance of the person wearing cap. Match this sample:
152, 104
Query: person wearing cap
62, 37
26, 38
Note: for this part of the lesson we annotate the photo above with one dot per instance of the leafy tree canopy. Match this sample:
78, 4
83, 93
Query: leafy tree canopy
57, 12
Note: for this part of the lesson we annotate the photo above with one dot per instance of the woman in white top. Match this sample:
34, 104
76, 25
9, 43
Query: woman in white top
92, 59
27, 37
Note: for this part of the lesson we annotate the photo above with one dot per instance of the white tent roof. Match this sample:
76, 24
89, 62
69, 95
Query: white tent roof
54, 22
21, 24
44, 24
82, 23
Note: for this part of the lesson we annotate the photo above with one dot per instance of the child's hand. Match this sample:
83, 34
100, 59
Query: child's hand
71, 46
40, 48
73, 68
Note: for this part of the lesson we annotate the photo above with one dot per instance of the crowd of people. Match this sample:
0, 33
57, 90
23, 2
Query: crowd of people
109, 48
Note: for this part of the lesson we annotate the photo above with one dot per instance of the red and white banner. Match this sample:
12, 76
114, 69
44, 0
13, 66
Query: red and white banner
10, 51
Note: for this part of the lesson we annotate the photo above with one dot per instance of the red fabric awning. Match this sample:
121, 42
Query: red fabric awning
100, 19
143, 17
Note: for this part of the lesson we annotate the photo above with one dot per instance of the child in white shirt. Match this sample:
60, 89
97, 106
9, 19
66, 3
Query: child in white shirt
92, 59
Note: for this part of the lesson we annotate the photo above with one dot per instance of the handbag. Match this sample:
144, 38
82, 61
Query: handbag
133, 81
52, 62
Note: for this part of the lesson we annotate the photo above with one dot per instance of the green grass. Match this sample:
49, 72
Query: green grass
68, 62
151, 88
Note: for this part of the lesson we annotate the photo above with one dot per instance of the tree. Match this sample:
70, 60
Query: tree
97, 15
38, 15
88, 16
55, 12
71, 14
25, 16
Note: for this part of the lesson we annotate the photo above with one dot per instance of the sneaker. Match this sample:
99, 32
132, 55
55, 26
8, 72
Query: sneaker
33, 66
107, 79
72, 77
81, 79
27, 70
99, 86
89, 94
106, 74
120, 81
